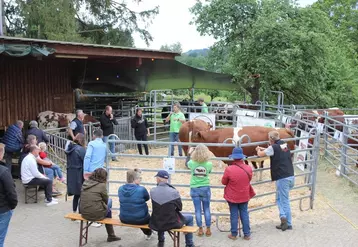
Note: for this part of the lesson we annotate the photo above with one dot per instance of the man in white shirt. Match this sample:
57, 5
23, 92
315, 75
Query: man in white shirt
30, 175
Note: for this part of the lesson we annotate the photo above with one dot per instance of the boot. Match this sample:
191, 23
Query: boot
284, 225
200, 232
111, 235
208, 232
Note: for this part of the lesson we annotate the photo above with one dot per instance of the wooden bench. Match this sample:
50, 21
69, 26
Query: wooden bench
174, 233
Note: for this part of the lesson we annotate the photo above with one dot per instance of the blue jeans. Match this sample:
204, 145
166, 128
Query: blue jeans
109, 208
111, 145
188, 237
174, 137
283, 187
4, 225
49, 173
56, 171
201, 199
235, 209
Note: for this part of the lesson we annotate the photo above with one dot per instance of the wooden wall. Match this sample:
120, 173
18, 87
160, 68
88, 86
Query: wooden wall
29, 86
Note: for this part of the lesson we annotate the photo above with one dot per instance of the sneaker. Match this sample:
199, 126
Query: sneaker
53, 199
280, 228
232, 237
148, 237
200, 232
95, 224
62, 180
247, 237
49, 204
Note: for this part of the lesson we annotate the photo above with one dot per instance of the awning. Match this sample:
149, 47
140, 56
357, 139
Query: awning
14, 50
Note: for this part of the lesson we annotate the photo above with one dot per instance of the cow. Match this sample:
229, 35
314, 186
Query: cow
256, 134
51, 120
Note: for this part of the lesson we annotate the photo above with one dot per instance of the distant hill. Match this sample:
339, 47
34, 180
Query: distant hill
197, 52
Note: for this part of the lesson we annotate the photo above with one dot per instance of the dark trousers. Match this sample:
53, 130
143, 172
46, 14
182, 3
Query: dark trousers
142, 138
8, 159
47, 183
144, 222
75, 202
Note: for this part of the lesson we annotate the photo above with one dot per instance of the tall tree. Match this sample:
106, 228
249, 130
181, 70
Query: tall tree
276, 45
176, 47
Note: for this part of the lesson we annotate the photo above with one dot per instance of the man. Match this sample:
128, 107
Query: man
8, 197
204, 107
95, 154
34, 130
166, 206
176, 119
107, 120
13, 141
30, 175
283, 173
76, 125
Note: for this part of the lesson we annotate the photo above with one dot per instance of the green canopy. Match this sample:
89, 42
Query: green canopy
24, 50
171, 74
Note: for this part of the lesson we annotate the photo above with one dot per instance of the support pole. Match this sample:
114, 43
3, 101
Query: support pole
344, 151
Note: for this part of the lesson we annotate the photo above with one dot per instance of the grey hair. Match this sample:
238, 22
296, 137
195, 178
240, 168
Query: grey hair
78, 112
19, 123
274, 135
33, 123
133, 175
98, 133
30, 138
164, 180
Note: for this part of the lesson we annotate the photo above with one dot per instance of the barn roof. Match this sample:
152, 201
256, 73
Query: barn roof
90, 50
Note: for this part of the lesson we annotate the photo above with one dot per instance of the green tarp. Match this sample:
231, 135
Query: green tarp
24, 50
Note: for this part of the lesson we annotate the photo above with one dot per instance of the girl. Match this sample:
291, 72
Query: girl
141, 130
200, 186
56, 169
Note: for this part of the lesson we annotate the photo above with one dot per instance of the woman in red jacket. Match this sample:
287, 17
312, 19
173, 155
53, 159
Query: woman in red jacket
238, 192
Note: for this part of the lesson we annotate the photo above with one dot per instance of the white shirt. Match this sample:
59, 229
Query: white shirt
29, 169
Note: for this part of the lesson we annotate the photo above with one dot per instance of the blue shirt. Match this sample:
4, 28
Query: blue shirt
95, 155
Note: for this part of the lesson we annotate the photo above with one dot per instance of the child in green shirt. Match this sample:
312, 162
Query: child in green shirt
200, 192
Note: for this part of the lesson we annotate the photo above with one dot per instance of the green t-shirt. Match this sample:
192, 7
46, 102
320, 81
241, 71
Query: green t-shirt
204, 108
199, 173
175, 124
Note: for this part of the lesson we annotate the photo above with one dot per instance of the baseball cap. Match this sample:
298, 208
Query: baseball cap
162, 174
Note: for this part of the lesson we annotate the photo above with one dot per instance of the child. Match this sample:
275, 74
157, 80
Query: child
56, 169
200, 186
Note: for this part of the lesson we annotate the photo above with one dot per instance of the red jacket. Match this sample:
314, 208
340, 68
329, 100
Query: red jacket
237, 182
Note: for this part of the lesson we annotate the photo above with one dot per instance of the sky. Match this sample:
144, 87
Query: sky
171, 25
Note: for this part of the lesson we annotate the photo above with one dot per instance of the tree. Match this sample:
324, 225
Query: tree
176, 47
276, 45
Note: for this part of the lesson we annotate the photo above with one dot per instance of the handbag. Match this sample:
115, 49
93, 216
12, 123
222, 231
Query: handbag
251, 190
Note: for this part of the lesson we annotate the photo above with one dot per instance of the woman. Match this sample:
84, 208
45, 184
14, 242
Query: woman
200, 192
238, 192
95, 204
75, 153
176, 119
141, 130
133, 198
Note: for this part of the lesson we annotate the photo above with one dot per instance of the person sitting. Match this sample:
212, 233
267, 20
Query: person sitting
95, 204
133, 206
56, 169
238, 191
200, 192
13, 141
39, 133
166, 206
95, 154
30, 175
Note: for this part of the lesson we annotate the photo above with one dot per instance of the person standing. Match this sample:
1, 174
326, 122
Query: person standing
8, 197
13, 141
141, 130
95, 204
283, 173
39, 133
200, 192
176, 119
107, 121
76, 125
75, 152
238, 191
133, 202
95, 154
166, 207
204, 107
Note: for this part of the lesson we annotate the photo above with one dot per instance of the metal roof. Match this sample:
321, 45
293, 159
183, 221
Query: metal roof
54, 42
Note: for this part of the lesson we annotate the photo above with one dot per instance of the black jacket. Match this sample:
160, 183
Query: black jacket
140, 125
107, 124
281, 161
75, 156
166, 206
40, 134
8, 196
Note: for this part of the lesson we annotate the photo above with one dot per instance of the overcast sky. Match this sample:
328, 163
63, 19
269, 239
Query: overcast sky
172, 25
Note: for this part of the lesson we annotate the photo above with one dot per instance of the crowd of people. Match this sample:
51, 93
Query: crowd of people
86, 179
